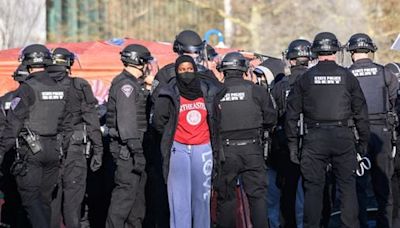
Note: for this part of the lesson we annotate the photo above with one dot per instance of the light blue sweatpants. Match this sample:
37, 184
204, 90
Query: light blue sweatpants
189, 185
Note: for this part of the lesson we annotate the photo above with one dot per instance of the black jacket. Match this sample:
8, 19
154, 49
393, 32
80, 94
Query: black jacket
166, 111
304, 99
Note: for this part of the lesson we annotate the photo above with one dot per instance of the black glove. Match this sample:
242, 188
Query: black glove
361, 150
294, 154
139, 163
96, 161
134, 146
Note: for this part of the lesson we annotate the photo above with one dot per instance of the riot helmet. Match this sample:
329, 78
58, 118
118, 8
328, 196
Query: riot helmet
63, 57
325, 43
233, 61
135, 55
361, 43
188, 41
35, 56
299, 48
394, 69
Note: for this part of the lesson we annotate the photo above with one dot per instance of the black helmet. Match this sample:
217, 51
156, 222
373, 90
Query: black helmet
35, 56
21, 73
394, 69
135, 54
299, 48
188, 41
234, 61
325, 43
211, 53
63, 57
361, 42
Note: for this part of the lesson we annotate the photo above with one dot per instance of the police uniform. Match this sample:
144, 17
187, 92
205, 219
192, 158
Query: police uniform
288, 172
126, 119
38, 106
380, 90
80, 128
328, 96
246, 110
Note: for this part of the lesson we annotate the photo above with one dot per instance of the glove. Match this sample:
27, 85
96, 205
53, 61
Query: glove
96, 161
139, 163
294, 154
361, 150
134, 146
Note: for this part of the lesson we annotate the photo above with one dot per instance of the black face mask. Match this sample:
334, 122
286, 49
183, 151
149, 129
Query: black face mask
189, 85
57, 72
187, 77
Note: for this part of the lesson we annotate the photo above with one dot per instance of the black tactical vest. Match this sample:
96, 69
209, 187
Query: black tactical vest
49, 105
327, 98
372, 81
238, 109
141, 100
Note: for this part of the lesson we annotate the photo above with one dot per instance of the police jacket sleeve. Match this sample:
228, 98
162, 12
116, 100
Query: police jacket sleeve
293, 110
162, 113
126, 111
89, 115
359, 110
393, 87
16, 117
270, 114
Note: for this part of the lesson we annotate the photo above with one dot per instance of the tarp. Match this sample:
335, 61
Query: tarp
99, 61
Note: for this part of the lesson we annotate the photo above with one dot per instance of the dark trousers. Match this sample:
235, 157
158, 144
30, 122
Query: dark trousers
325, 145
247, 162
290, 179
288, 175
127, 207
379, 149
157, 210
37, 186
71, 189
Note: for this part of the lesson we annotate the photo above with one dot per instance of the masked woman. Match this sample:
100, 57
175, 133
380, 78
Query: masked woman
187, 114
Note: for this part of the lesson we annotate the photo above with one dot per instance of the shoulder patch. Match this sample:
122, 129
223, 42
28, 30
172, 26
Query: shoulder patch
15, 102
127, 90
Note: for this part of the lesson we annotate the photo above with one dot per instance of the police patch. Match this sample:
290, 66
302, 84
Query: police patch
327, 80
15, 102
127, 90
52, 95
238, 96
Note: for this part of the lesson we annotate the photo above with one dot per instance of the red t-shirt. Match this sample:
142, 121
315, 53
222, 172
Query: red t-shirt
192, 126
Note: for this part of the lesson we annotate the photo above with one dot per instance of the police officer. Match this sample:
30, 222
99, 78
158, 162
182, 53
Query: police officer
32, 120
380, 92
81, 132
20, 75
187, 42
12, 209
298, 55
329, 98
126, 119
247, 110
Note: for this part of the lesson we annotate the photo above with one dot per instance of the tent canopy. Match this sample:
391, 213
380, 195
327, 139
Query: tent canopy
98, 61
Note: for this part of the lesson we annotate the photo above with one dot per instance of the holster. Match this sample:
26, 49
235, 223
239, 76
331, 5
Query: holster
32, 140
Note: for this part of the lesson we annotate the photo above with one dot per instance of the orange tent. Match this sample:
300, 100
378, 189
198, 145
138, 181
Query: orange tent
98, 61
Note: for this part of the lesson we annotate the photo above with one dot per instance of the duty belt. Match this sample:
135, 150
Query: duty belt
240, 142
328, 124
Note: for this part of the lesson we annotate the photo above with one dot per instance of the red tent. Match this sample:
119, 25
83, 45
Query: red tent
99, 61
